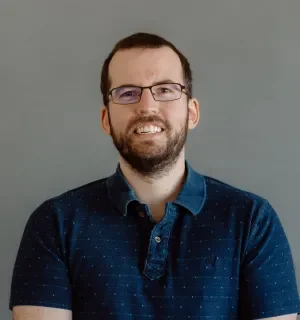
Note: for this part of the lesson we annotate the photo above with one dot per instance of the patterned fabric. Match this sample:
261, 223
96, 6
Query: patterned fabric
218, 253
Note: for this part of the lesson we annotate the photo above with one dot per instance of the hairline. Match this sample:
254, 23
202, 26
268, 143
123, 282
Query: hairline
143, 48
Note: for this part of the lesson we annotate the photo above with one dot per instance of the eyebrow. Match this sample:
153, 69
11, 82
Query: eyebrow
153, 84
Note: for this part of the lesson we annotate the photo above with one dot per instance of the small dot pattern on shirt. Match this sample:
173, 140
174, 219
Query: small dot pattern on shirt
218, 253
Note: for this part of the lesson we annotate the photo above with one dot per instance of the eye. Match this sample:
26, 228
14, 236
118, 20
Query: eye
164, 90
130, 93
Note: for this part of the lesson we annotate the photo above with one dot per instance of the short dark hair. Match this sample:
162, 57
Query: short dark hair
144, 41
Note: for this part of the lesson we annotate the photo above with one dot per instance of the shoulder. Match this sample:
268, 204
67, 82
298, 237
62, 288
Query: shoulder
220, 190
70, 202
89, 190
235, 200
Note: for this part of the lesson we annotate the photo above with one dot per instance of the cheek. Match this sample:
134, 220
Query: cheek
119, 120
176, 115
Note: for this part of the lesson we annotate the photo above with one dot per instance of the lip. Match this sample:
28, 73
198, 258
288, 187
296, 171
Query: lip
148, 135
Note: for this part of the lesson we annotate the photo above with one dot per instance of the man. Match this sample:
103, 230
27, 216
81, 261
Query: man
155, 240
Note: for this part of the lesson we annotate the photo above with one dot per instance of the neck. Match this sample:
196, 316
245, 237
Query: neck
158, 190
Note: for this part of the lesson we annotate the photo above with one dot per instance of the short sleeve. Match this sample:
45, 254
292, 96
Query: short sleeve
40, 275
268, 285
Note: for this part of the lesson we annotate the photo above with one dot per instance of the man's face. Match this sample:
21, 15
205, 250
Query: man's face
148, 153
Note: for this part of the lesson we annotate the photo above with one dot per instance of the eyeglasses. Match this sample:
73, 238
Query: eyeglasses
160, 92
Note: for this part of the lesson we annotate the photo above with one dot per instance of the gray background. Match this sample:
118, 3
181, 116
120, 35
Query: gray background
245, 57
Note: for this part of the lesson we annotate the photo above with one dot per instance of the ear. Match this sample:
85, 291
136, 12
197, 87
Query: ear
104, 119
194, 113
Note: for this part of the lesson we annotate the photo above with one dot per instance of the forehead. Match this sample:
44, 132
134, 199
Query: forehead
144, 67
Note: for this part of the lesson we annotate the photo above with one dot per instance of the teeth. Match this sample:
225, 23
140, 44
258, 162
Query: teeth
148, 129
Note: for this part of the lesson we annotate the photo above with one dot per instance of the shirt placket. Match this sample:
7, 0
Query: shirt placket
158, 247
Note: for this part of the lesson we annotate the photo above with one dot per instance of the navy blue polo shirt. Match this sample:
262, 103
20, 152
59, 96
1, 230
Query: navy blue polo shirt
218, 253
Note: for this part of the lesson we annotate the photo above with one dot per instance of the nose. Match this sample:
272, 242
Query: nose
147, 103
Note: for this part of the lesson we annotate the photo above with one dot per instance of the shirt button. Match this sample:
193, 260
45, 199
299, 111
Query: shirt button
157, 239
141, 214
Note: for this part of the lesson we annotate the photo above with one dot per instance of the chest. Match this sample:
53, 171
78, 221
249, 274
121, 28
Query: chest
135, 266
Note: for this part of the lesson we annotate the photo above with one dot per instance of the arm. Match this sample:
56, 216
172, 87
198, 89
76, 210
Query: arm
41, 276
40, 313
285, 317
268, 288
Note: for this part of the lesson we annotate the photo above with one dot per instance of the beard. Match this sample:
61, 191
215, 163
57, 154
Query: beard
150, 158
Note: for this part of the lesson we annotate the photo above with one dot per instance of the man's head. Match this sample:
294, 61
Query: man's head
148, 126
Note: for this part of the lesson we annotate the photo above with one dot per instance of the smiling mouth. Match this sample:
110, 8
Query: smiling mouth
148, 130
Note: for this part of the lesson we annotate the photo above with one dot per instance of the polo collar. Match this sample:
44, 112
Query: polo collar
191, 196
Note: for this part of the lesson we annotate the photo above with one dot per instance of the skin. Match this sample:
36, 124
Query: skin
40, 313
145, 67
